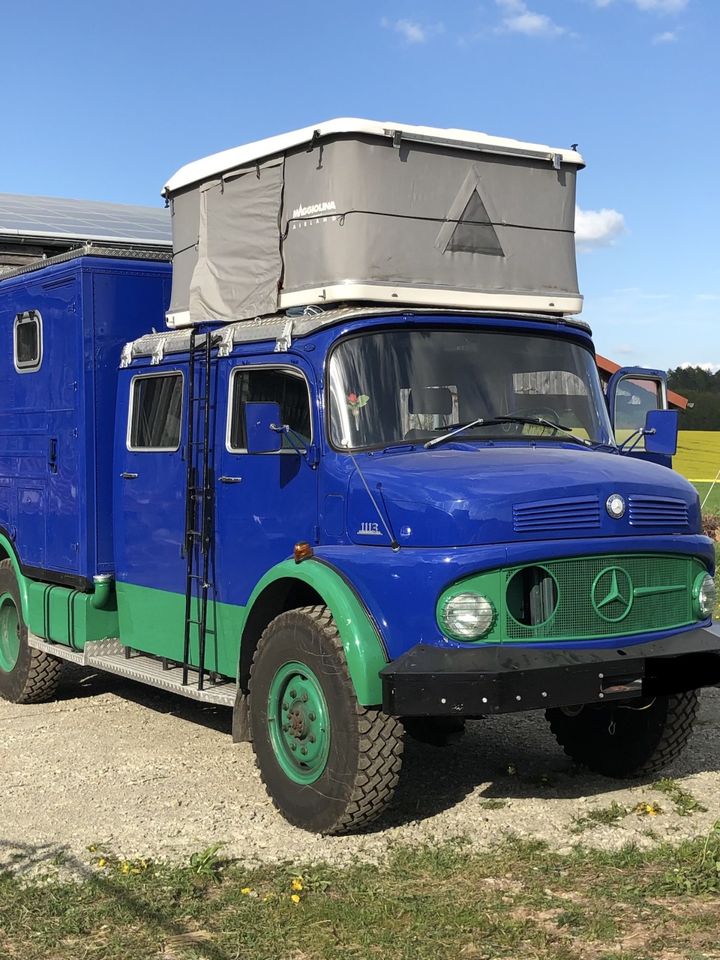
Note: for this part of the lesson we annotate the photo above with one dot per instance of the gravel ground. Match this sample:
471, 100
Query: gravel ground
149, 774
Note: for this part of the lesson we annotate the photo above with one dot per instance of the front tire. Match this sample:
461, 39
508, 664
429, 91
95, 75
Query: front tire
26, 675
329, 764
629, 739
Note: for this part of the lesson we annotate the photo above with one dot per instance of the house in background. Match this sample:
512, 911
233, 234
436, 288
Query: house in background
35, 228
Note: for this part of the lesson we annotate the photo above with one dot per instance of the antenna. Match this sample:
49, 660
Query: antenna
393, 541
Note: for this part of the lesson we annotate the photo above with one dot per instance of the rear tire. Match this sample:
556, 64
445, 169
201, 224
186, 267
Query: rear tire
629, 739
329, 764
26, 675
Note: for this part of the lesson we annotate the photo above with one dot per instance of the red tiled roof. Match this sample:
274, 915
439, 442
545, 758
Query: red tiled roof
609, 367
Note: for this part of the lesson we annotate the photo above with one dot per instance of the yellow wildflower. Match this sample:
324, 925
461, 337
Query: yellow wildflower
102, 862
125, 867
295, 898
297, 884
246, 891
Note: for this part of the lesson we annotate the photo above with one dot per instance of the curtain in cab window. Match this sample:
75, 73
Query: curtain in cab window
287, 389
157, 409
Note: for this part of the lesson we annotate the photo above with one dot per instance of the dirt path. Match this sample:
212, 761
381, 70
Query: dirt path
150, 774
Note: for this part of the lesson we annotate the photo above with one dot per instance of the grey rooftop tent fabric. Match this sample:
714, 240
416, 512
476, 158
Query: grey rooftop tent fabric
361, 217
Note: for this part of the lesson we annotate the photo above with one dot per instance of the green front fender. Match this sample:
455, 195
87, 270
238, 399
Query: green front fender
363, 647
6, 547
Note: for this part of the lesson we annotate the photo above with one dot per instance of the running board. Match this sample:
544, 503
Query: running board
112, 657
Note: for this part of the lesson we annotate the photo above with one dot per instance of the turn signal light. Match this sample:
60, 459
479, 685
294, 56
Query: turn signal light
302, 551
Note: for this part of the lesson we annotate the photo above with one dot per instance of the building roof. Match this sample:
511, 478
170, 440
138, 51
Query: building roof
609, 367
218, 163
54, 221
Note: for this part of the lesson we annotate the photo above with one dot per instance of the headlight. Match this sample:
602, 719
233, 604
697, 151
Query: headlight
467, 616
704, 595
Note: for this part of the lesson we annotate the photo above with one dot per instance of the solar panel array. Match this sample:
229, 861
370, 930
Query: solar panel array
52, 218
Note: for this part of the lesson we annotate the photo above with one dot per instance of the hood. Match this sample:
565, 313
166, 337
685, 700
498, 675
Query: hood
451, 497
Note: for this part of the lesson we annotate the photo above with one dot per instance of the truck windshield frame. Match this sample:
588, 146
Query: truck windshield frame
401, 385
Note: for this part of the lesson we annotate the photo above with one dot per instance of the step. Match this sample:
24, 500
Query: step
109, 655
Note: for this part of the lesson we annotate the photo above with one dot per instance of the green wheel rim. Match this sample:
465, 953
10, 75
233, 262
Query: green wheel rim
298, 722
9, 633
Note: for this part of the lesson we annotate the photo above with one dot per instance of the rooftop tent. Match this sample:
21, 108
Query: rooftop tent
363, 211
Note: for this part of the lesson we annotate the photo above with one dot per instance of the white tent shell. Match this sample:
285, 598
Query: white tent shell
354, 210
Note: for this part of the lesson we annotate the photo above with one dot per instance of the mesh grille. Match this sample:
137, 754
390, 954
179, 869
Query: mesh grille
660, 589
657, 512
556, 515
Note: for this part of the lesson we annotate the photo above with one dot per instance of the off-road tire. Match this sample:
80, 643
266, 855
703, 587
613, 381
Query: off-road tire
646, 736
365, 745
35, 676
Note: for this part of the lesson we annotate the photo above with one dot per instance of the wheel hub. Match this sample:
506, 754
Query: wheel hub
298, 722
9, 633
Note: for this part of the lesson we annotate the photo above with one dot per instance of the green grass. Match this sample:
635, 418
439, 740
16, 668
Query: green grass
425, 903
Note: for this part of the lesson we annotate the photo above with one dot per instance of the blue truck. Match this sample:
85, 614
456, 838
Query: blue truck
350, 523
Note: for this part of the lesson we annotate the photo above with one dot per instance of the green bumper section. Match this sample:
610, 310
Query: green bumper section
585, 598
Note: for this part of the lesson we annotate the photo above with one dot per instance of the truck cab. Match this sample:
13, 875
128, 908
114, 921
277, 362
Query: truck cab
445, 492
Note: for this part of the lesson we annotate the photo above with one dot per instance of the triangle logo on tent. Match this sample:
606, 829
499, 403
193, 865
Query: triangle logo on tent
474, 231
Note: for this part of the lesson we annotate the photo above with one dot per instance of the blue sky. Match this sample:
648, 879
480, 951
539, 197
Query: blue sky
104, 100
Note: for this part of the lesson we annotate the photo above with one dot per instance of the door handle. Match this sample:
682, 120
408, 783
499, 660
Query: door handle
128, 476
230, 479
53, 455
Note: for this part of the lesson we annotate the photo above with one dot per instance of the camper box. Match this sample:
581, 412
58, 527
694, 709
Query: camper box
63, 325
363, 211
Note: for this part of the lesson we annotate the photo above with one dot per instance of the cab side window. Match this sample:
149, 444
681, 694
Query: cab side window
285, 387
155, 412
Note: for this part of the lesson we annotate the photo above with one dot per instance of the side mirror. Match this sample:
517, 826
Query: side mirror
661, 432
262, 420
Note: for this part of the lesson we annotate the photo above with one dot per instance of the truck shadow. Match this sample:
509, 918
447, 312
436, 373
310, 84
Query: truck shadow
513, 757
517, 758
80, 683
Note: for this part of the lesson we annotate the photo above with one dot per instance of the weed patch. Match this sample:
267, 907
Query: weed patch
519, 899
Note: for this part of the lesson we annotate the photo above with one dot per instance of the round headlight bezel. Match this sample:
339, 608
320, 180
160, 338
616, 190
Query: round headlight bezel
487, 616
704, 596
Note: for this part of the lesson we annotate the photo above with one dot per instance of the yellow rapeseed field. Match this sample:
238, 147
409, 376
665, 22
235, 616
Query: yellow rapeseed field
698, 455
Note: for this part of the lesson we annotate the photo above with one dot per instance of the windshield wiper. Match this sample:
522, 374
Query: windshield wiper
482, 422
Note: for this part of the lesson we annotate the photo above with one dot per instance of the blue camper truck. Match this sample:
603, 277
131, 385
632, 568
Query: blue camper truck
349, 523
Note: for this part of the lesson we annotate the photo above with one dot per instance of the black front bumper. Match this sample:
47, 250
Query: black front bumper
435, 682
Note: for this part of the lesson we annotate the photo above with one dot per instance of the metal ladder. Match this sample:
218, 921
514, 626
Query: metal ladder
199, 499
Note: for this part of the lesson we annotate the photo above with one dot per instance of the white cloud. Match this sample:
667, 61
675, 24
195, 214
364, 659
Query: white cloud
597, 228
653, 6
710, 367
662, 6
411, 30
669, 36
518, 18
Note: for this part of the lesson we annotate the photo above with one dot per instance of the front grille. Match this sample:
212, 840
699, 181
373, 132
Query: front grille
657, 512
547, 515
659, 589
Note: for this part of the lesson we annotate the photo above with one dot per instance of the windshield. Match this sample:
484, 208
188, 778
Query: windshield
398, 386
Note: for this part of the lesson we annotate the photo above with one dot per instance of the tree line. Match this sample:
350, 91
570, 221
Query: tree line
702, 388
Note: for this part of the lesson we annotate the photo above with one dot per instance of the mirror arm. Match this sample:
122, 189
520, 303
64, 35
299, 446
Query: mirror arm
636, 437
297, 442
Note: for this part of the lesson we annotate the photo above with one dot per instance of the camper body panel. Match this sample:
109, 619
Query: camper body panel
56, 418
